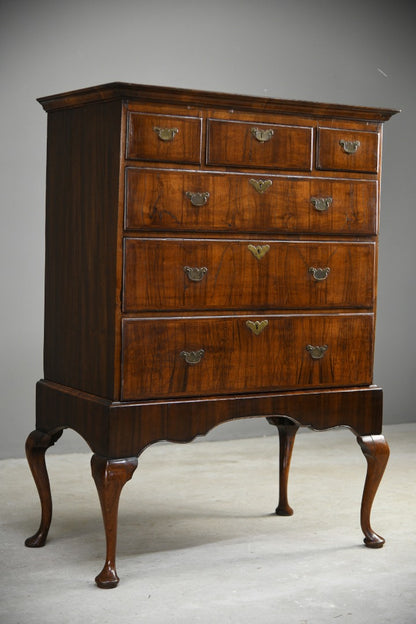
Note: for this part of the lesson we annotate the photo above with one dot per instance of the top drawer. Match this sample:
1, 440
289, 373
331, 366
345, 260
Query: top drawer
269, 146
164, 138
347, 150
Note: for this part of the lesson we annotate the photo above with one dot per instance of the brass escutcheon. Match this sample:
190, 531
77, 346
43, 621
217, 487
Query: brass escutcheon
321, 203
319, 274
349, 147
261, 186
318, 352
262, 135
192, 357
257, 326
197, 199
195, 274
166, 134
259, 251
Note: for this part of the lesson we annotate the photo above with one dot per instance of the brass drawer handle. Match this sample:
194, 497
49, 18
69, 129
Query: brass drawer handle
192, 357
261, 186
259, 251
197, 199
257, 326
195, 274
349, 147
318, 352
166, 134
321, 203
262, 135
319, 274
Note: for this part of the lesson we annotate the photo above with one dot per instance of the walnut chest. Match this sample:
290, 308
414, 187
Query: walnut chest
208, 257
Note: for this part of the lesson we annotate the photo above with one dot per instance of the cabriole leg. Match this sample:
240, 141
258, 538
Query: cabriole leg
37, 444
110, 475
287, 432
376, 452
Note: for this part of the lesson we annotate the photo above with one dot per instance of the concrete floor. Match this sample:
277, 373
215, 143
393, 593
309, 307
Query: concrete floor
198, 541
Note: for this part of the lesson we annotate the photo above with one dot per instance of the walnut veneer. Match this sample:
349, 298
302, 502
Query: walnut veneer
208, 257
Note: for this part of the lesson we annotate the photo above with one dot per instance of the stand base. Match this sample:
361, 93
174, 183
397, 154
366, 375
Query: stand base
118, 434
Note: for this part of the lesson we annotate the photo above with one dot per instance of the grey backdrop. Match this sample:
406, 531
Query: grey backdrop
356, 52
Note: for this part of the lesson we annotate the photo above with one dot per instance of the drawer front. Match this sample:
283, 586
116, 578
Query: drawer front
270, 146
162, 200
186, 274
347, 150
222, 355
164, 138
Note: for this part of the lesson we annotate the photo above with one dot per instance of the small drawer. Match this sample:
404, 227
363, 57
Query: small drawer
164, 138
269, 146
187, 274
196, 356
161, 200
347, 150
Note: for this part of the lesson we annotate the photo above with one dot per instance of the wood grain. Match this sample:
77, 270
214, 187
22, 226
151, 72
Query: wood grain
233, 144
331, 156
155, 279
144, 143
82, 247
157, 200
238, 361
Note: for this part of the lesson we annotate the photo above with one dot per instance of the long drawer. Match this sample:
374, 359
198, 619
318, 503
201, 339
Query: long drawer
189, 274
193, 201
241, 354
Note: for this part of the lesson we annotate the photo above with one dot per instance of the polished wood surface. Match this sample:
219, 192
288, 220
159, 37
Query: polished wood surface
118, 430
376, 452
144, 142
110, 476
37, 444
232, 278
287, 433
171, 96
81, 247
158, 199
209, 257
235, 360
233, 144
332, 156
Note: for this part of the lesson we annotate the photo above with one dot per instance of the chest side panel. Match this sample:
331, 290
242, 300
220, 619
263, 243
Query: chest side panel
81, 246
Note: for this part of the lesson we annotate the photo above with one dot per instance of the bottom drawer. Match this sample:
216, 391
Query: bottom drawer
176, 357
